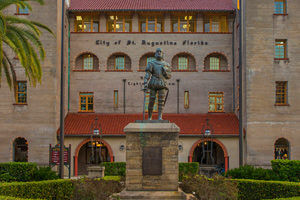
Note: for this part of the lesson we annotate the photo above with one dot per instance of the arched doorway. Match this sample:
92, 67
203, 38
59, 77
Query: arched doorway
211, 154
20, 153
282, 149
91, 152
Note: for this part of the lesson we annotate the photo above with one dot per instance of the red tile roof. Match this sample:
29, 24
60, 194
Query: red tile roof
113, 124
159, 5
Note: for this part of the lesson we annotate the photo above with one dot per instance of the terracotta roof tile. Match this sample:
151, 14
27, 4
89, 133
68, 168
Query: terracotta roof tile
114, 5
113, 124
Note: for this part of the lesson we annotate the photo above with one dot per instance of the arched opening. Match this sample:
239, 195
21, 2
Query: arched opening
91, 152
184, 61
215, 62
20, 146
119, 62
145, 59
282, 149
87, 61
211, 155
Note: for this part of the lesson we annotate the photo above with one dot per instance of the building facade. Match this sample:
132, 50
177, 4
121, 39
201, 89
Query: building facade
108, 45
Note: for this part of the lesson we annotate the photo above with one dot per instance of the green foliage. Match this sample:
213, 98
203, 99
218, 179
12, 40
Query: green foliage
216, 188
90, 189
111, 178
114, 168
17, 171
44, 173
13, 198
250, 172
290, 198
53, 189
287, 169
258, 189
188, 169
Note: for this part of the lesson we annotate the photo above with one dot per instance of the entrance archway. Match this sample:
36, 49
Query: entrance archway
88, 153
218, 157
20, 146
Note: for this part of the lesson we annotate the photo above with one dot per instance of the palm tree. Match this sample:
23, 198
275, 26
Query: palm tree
21, 36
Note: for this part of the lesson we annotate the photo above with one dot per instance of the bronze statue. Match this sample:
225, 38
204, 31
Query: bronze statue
157, 71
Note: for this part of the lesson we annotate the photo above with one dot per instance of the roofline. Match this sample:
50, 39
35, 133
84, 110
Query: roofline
180, 135
114, 10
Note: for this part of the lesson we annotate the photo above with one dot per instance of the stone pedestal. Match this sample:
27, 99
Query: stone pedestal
151, 161
96, 171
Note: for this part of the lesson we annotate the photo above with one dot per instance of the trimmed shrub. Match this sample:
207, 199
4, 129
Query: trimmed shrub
44, 173
290, 198
258, 189
17, 171
287, 169
13, 198
53, 189
114, 168
250, 172
188, 169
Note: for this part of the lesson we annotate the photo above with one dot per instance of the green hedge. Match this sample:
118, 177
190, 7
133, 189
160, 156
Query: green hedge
13, 198
17, 171
287, 169
53, 189
119, 168
290, 198
258, 189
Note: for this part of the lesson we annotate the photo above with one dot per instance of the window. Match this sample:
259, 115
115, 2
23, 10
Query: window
116, 98
281, 150
151, 24
20, 150
215, 23
86, 102
281, 93
280, 7
280, 49
88, 62
21, 92
183, 23
119, 63
22, 11
186, 100
214, 63
183, 63
147, 102
216, 101
117, 23
87, 23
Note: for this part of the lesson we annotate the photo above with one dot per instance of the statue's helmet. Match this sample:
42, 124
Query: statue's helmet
159, 53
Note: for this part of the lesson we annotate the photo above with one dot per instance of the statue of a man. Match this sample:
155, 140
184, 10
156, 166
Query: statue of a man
157, 71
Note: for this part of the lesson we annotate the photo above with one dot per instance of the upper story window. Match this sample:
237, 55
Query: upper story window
22, 11
281, 93
215, 62
21, 92
119, 62
183, 62
119, 23
151, 24
87, 61
87, 23
279, 6
183, 23
215, 23
280, 49
86, 102
216, 101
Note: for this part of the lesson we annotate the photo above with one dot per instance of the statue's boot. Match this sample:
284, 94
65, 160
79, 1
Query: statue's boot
160, 109
150, 113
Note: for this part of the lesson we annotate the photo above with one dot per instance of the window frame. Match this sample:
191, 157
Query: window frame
115, 59
124, 16
219, 59
156, 20
220, 94
281, 95
284, 48
211, 16
92, 15
178, 16
86, 95
87, 56
284, 3
188, 62
18, 92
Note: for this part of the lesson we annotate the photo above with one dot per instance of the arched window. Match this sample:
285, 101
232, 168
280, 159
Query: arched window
87, 61
119, 62
281, 149
145, 59
215, 62
20, 150
183, 62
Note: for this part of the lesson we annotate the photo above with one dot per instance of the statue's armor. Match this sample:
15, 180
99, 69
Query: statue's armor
157, 71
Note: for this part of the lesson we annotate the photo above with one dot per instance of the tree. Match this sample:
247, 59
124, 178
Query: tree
21, 36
